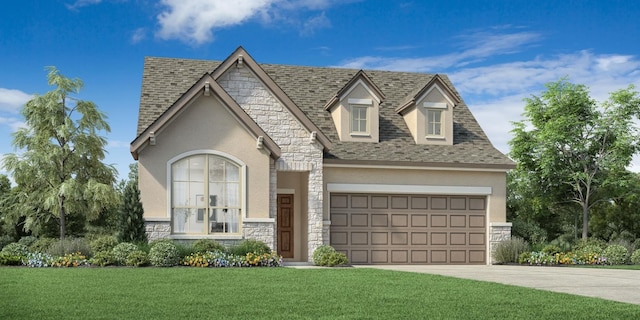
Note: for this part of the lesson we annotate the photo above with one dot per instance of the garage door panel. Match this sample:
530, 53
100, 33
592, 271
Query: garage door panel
380, 256
458, 221
380, 238
378, 202
419, 238
339, 219
400, 220
404, 229
400, 202
359, 256
378, 220
399, 238
399, 256
359, 220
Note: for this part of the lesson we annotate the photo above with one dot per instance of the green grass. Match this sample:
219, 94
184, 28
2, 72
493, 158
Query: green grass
279, 293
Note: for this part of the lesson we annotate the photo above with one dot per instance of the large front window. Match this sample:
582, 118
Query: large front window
205, 195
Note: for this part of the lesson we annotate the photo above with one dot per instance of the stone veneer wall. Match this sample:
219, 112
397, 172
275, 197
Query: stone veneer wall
263, 231
157, 229
498, 232
299, 153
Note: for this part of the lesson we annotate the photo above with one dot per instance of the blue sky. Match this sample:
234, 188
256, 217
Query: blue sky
496, 52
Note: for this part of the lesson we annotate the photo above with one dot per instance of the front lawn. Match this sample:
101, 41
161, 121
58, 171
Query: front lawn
279, 293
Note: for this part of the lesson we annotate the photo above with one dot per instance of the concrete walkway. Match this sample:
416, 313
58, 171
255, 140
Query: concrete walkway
611, 284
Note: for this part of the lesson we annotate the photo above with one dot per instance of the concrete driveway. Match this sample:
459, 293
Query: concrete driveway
611, 284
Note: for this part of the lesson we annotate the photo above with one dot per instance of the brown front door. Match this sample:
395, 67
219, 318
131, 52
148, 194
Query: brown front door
285, 225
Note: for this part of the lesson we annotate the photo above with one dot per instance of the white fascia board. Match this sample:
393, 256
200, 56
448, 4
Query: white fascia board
410, 189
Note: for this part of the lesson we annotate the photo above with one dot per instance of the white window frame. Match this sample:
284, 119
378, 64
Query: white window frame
359, 105
432, 107
242, 194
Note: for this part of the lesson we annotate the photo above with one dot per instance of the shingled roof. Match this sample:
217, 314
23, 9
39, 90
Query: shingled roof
310, 88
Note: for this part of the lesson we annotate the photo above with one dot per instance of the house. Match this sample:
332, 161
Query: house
387, 167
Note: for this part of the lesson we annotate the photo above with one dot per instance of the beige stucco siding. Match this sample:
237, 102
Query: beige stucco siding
495, 180
205, 125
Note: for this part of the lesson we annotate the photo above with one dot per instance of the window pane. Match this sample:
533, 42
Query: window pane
434, 122
216, 169
358, 119
232, 171
180, 170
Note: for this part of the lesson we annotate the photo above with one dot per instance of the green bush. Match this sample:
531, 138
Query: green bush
15, 249
69, 245
250, 246
184, 249
164, 254
5, 240
591, 243
615, 254
207, 245
551, 249
27, 240
537, 258
137, 258
103, 258
508, 251
328, 256
103, 243
10, 260
635, 257
122, 251
42, 245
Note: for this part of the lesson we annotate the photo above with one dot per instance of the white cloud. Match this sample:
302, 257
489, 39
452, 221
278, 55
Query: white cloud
82, 3
194, 21
13, 123
11, 100
477, 46
138, 35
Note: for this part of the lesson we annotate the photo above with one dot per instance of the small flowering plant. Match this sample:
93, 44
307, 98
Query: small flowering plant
38, 260
75, 259
219, 259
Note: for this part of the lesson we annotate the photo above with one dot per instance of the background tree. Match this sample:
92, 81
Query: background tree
570, 149
131, 222
59, 170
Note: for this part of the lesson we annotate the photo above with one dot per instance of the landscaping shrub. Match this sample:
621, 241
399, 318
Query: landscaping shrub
635, 257
615, 254
137, 258
551, 249
38, 260
103, 243
122, 251
42, 244
10, 260
103, 258
27, 240
250, 246
328, 256
591, 243
509, 251
206, 245
184, 249
164, 254
15, 249
5, 240
69, 245
537, 258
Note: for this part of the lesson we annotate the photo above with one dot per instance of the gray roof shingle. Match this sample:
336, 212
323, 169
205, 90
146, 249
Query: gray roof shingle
310, 88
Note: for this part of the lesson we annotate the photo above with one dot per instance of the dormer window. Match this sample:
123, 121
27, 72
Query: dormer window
435, 113
355, 110
360, 113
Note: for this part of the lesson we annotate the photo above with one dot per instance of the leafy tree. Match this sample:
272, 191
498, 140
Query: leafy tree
60, 170
570, 149
131, 222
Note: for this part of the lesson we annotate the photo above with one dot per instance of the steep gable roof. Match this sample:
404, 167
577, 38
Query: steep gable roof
206, 85
360, 76
311, 88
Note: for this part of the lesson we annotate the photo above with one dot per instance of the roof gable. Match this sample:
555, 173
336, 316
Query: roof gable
436, 83
241, 59
205, 86
360, 78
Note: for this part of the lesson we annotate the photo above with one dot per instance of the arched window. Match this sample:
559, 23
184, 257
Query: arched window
205, 195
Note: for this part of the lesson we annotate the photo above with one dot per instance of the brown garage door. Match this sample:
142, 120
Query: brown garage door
409, 229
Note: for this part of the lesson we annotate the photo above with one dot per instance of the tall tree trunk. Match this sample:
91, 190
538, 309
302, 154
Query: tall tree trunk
585, 221
62, 217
